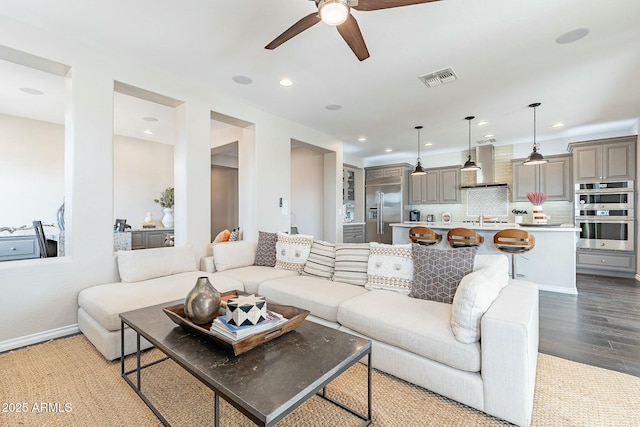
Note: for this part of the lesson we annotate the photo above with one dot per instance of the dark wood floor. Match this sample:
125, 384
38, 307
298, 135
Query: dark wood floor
600, 326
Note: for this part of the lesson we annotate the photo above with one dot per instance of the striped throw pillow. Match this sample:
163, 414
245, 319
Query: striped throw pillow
351, 263
322, 260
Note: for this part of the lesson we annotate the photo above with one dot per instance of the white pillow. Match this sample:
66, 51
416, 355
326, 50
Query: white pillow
237, 254
144, 264
390, 267
292, 251
475, 294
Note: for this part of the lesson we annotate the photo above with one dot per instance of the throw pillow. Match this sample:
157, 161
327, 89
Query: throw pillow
474, 296
351, 263
222, 236
390, 268
322, 260
292, 251
437, 272
235, 235
266, 249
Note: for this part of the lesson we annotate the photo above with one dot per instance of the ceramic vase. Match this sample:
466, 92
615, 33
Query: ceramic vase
167, 219
202, 303
539, 217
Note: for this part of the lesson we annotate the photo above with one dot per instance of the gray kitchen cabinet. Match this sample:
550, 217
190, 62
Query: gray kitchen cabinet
385, 172
596, 261
552, 178
437, 186
150, 238
604, 160
353, 233
18, 247
348, 185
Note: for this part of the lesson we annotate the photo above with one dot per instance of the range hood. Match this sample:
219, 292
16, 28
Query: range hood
485, 176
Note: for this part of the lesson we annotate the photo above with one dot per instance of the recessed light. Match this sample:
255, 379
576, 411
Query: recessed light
333, 107
31, 91
428, 144
482, 123
150, 119
147, 132
362, 139
489, 135
388, 150
286, 82
242, 80
573, 35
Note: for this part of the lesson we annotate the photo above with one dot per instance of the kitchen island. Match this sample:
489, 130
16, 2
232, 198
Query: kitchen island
551, 264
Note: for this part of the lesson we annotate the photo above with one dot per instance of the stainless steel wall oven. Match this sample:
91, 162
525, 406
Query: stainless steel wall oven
604, 212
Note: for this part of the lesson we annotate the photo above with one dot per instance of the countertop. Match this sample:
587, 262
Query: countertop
487, 226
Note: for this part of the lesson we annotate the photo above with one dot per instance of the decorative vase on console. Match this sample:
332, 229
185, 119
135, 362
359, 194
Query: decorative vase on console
202, 303
166, 201
537, 199
167, 219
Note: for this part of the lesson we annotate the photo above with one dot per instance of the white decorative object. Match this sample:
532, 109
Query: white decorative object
539, 217
246, 310
148, 218
167, 219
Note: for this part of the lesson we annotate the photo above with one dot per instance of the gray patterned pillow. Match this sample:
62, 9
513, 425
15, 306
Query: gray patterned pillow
266, 249
321, 261
351, 263
437, 272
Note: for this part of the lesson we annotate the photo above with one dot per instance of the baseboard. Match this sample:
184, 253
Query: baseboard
38, 338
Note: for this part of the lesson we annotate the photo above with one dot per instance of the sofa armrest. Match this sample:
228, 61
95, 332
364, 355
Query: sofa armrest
510, 352
207, 264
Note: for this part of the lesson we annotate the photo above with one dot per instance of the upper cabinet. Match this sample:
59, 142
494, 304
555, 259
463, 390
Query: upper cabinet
552, 178
349, 185
604, 160
437, 186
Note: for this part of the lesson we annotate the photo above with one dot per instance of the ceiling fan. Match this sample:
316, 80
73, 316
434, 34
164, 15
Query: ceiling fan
337, 13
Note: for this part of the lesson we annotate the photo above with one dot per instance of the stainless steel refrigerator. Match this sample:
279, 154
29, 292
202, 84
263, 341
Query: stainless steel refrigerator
385, 204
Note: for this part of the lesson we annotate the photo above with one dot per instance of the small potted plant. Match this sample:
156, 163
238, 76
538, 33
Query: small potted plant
166, 201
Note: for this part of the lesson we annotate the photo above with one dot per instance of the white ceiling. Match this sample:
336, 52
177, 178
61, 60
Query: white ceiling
503, 51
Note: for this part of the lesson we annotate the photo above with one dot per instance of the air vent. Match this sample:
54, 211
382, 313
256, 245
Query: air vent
486, 141
439, 77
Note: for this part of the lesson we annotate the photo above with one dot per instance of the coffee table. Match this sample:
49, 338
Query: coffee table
277, 376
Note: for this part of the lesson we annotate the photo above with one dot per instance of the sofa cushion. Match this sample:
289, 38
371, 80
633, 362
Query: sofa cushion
352, 260
419, 326
474, 296
234, 254
253, 275
292, 251
266, 249
320, 296
390, 267
322, 260
144, 264
104, 303
437, 272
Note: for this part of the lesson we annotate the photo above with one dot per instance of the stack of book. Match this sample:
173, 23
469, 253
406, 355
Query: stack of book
221, 327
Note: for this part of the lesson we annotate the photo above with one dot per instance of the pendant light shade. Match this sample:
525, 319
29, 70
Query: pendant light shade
419, 170
534, 158
470, 165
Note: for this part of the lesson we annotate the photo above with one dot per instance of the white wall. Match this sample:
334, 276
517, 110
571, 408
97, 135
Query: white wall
31, 171
141, 171
43, 293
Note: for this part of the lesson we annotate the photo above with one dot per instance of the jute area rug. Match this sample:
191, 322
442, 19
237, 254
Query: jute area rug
66, 382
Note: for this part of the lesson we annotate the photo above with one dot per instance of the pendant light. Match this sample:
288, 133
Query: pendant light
469, 165
534, 158
419, 170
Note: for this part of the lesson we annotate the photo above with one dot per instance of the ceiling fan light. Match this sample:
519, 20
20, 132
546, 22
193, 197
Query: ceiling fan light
333, 12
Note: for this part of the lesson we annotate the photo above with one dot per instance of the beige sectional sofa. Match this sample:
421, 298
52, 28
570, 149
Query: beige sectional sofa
480, 350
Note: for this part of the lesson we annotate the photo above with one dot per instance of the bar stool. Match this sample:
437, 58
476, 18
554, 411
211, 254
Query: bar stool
464, 238
424, 236
514, 241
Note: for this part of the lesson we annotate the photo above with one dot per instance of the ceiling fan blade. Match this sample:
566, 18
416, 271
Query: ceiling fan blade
350, 32
366, 5
303, 24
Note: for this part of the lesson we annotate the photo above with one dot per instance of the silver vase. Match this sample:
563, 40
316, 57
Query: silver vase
202, 303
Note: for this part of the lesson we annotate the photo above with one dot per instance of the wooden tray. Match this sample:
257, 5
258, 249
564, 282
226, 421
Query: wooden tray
294, 315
